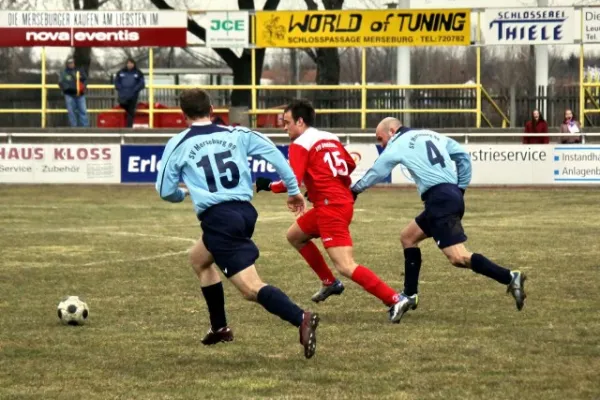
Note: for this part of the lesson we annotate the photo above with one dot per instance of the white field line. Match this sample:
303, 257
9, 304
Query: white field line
104, 232
117, 233
128, 260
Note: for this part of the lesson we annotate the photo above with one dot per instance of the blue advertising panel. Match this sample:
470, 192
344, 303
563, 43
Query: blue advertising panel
140, 163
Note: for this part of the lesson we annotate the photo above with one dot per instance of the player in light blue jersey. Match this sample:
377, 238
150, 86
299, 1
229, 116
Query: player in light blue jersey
212, 161
441, 168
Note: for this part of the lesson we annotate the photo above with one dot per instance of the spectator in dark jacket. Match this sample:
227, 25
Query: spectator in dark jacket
129, 82
571, 128
536, 124
72, 83
218, 121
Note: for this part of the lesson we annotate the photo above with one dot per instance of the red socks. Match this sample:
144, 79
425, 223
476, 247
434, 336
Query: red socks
372, 284
310, 252
362, 275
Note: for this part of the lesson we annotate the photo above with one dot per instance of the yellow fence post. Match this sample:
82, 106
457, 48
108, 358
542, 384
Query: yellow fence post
253, 115
581, 77
151, 93
363, 90
44, 90
478, 72
253, 77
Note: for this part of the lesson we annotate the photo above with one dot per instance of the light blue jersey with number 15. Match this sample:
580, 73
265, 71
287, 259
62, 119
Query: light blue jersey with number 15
212, 160
428, 156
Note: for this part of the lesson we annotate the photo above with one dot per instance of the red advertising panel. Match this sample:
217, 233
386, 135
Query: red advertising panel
93, 28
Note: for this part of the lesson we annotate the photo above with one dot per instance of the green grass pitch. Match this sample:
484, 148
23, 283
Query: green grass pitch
123, 250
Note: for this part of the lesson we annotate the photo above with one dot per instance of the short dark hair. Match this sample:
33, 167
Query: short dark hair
195, 103
301, 108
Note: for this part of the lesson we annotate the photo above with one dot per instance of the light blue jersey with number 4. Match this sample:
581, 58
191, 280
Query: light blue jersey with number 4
212, 160
430, 158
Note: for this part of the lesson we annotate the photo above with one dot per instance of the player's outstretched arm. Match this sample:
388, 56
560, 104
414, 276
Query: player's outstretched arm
462, 159
260, 145
381, 169
167, 180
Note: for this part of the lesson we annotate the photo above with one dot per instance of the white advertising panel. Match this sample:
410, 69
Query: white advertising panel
93, 28
364, 155
531, 25
227, 29
527, 165
591, 25
48, 163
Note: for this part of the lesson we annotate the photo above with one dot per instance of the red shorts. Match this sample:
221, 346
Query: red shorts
331, 223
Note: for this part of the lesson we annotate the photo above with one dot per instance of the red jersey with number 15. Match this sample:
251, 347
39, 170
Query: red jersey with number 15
319, 159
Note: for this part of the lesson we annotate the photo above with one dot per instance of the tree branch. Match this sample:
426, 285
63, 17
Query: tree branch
246, 4
311, 53
271, 5
226, 54
311, 5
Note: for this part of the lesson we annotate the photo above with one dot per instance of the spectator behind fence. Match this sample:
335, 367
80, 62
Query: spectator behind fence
72, 83
129, 82
218, 121
537, 124
571, 128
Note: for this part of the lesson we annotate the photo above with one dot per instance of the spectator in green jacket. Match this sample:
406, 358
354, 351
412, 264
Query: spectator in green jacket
72, 83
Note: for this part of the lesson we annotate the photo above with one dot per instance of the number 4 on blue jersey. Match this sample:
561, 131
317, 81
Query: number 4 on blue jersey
427, 155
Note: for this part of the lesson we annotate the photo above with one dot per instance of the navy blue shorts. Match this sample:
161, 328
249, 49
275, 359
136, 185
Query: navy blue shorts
441, 219
227, 234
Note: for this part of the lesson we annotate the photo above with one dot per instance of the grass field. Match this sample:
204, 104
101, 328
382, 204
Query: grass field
123, 250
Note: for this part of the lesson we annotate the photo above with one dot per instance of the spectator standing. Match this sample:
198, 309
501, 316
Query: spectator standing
72, 82
571, 128
536, 124
129, 82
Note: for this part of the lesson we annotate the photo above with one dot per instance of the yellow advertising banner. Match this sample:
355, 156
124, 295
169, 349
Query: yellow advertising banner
363, 28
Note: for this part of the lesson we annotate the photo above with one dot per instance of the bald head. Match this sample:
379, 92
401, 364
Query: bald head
386, 130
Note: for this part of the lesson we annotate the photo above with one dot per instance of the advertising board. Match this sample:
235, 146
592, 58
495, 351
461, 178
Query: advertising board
591, 25
531, 25
48, 163
359, 28
227, 29
140, 163
527, 165
93, 28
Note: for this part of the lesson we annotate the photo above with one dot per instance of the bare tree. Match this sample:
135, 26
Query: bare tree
240, 65
83, 55
327, 59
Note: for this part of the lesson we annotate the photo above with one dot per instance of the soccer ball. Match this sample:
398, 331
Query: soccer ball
73, 311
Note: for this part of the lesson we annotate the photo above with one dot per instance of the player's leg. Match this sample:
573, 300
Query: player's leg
212, 290
460, 257
300, 236
335, 234
343, 260
415, 232
410, 237
278, 303
227, 235
447, 231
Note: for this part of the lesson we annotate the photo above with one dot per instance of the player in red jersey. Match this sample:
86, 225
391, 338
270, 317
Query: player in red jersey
320, 161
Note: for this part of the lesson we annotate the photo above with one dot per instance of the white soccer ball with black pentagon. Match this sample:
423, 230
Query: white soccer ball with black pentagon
73, 311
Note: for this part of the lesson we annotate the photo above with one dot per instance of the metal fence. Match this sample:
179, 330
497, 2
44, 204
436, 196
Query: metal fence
553, 99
